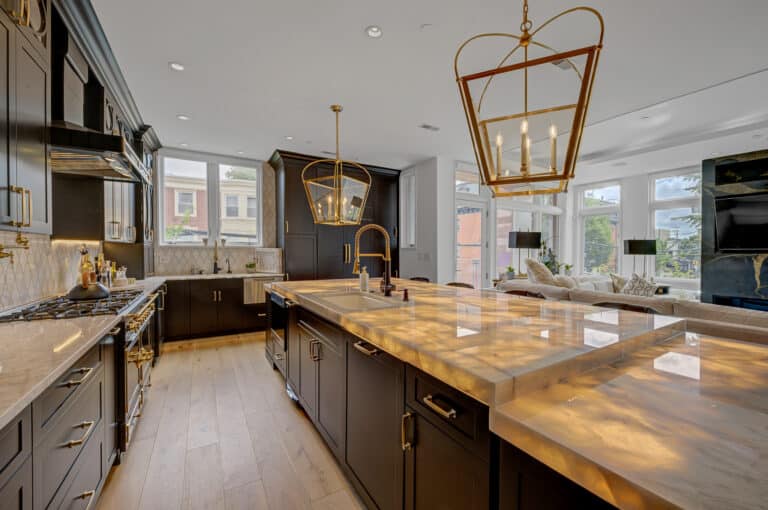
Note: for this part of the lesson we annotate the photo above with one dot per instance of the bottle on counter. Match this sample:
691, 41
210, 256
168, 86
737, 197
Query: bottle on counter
364, 279
86, 268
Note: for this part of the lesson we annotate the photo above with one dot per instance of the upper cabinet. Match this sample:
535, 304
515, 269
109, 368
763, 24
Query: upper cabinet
25, 174
33, 17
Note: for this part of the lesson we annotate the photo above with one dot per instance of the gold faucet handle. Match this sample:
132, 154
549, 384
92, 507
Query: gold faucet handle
22, 241
5, 254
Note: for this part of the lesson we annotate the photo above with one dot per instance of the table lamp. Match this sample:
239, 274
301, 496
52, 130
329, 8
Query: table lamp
642, 247
524, 241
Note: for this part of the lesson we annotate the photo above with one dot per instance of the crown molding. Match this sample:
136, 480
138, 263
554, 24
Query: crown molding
86, 30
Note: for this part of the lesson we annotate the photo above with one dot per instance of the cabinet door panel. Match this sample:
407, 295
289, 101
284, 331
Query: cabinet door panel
374, 409
307, 371
8, 201
330, 252
440, 473
17, 493
128, 190
177, 306
231, 308
300, 257
203, 312
331, 391
298, 216
32, 112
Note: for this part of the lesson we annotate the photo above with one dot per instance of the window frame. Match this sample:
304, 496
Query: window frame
248, 209
214, 199
177, 193
584, 212
693, 202
227, 206
408, 210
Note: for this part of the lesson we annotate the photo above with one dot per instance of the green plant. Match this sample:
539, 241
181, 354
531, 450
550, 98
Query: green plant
510, 269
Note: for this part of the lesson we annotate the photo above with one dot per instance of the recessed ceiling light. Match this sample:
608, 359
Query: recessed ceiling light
714, 153
240, 152
429, 127
184, 144
181, 116
176, 66
289, 138
374, 31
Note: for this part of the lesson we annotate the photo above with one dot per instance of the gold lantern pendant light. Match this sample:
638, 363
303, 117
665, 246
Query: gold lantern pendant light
526, 143
336, 190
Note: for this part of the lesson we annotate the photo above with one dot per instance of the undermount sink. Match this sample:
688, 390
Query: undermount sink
358, 301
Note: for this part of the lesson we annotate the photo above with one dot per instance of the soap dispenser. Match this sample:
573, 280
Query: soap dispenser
363, 280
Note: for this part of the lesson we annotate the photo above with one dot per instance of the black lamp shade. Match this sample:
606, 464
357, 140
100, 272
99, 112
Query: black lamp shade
525, 240
640, 247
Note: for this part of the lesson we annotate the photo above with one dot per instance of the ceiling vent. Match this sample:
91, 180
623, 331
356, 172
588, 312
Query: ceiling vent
429, 127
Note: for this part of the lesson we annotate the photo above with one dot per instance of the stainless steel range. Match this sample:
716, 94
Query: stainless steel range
65, 308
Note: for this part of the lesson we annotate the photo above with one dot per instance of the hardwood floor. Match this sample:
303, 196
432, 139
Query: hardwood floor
219, 432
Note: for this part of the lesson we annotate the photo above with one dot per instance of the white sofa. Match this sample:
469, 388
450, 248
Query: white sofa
702, 318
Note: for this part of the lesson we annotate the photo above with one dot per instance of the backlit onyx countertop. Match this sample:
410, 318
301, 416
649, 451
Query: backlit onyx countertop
628, 405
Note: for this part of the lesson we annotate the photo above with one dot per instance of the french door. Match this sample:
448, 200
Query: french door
471, 243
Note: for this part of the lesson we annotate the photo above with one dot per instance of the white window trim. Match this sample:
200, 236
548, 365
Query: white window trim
177, 202
405, 214
213, 190
224, 213
671, 203
582, 213
258, 206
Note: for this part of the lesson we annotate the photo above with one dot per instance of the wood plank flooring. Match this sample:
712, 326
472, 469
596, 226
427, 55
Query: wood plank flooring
219, 432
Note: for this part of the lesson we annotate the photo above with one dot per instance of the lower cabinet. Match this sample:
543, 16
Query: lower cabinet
177, 309
16, 494
375, 405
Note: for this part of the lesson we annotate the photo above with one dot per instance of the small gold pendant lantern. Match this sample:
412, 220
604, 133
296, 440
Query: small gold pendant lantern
336, 190
526, 143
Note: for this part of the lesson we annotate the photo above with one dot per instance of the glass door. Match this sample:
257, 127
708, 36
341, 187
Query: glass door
471, 246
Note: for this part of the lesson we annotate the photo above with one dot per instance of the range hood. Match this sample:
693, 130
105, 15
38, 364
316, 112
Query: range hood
81, 151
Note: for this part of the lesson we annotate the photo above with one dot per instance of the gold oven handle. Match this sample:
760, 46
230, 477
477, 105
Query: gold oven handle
88, 426
448, 415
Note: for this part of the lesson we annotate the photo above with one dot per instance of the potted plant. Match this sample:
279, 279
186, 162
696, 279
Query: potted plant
568, 269
510, 273
549, 259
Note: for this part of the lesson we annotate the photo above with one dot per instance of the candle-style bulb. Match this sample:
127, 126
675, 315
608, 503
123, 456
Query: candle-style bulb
524, 127
499, 140
553, 131
553, 149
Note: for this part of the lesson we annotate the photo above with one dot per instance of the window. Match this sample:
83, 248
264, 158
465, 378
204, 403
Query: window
232, 206
408, 209
186, 205
676, 217
252, 209
467, 179
599, 217
469, 243
185, 195
189, 213
522, 214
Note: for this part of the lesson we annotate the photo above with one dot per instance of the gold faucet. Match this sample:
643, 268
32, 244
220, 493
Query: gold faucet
22, 243
386, 282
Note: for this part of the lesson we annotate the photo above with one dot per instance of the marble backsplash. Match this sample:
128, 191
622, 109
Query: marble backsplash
174, 260
45, 269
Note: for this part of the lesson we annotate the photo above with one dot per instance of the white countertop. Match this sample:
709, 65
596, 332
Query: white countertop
209, 276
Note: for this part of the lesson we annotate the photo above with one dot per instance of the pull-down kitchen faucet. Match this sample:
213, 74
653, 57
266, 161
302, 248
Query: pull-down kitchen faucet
386, 282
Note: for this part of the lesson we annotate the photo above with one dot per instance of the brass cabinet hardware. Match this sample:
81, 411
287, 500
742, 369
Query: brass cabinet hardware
141, 356
88, 426
450, 414
261, 314
77, 382
286, 226
136, 321
405, 445
115, 331
278, 355
89, 495
394, 232
214, 296
368, 352
314, 350
220, 300
19, 221
28, 223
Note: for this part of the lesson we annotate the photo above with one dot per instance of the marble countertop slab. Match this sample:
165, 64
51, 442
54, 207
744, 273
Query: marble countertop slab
679, 424
34, 354
208, 276
487, 344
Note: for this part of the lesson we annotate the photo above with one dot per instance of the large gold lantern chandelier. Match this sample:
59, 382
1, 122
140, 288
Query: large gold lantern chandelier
524, 142
336, 189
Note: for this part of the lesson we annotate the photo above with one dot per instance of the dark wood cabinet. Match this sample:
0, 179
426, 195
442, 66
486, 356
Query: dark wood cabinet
34, 25
527, 484
307, 383
177, 309
16, 493
120, 212
319, 251
203, 309
9, 201
375, 395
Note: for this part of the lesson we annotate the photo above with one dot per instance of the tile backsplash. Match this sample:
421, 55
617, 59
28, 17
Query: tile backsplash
45, 269
173, 260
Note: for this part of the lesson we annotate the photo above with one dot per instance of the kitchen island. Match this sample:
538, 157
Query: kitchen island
628, 406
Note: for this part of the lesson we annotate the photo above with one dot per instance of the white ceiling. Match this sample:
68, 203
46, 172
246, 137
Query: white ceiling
257, 71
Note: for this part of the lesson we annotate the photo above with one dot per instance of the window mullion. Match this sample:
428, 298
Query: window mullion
214, 201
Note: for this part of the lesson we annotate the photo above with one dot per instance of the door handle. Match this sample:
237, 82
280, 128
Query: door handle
28, 194
87, 425
286, 226
450, 414
368, 352
87, 495
405, 445
219, 295
214, 296
77, 382
19, 221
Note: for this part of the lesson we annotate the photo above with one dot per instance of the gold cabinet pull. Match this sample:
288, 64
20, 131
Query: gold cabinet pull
405, 445
19, 221
450, 414
28, 194
89, 495
77, 382
361, 347
88, 426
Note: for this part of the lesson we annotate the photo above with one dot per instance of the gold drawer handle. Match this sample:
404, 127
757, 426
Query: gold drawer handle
368, 352
88, 426
77, 382
278, 356
87, 495
448, 415
405, 445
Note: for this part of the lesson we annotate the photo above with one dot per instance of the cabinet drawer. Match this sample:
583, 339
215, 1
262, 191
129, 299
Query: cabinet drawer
16, 493
278, 353
15, 445
321, 330
46, 407
459, 415
76, 424
84, 480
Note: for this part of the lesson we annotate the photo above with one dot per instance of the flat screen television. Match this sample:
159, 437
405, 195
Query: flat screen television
741, 223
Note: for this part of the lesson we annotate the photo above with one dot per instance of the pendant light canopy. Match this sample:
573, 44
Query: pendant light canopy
336, 190
525, 141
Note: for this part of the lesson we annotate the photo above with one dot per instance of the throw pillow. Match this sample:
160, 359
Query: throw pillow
565, 281
638, 286
539, 273
618, 282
